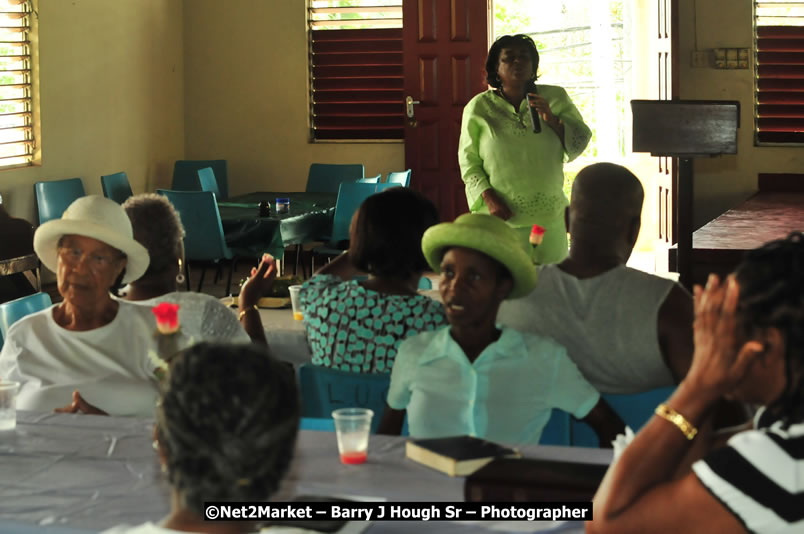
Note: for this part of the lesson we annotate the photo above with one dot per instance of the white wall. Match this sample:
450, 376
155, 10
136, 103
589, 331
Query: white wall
724, 182
112, 96
246, 96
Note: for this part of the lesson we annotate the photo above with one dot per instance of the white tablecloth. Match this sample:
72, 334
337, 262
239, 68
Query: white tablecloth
91, 473
286, 336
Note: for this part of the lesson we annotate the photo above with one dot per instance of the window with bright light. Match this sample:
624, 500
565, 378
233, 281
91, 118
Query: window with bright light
356, 84
17, 141
779, 117
585, 47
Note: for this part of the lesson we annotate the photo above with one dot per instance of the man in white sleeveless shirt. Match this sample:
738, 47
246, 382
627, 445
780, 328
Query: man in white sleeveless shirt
626, 330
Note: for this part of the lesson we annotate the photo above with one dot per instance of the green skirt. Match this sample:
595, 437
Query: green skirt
554, 246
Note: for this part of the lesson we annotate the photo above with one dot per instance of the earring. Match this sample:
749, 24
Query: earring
180, 277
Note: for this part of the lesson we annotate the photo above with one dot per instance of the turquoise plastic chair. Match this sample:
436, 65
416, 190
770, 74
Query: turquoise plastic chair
185, 175
203, 239
635, 409
383, 187
371, 180
324, 390
52, 198
425, 283
116, 187
14, 310
206, 180
317, 423
401, 178
350, 196
326, 177
557, 429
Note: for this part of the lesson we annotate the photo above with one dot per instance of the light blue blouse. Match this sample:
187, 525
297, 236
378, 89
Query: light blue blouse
505, 395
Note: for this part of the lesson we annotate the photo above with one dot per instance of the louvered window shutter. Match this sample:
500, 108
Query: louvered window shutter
356, 69
780, 72
16, 131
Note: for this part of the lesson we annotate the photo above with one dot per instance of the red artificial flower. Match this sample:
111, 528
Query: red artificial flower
536, 235
167, 317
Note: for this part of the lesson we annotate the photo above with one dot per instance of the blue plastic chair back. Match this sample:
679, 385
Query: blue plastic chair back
371, 180
116, 187
401, 178
557, 429
52, 198
324, 390
14, 310
185, 175
635, 409
206, 180
317, 423
383, 187
350, 196
326, 177
198, 210
425, 283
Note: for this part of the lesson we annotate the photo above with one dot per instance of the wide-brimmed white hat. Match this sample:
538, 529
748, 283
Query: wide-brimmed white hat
99, 218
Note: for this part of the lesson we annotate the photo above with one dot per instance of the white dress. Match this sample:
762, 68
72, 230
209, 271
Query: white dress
108, 365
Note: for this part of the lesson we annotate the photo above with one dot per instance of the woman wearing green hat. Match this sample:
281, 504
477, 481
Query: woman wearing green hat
502, 383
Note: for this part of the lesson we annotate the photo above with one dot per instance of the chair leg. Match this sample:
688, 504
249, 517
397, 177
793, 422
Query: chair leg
187, 273
298, 262
229, 280
201, 280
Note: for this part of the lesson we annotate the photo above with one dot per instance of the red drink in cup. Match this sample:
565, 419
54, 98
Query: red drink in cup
354, 457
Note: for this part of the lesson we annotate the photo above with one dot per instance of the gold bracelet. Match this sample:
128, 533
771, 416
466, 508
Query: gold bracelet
666, 412
243, 313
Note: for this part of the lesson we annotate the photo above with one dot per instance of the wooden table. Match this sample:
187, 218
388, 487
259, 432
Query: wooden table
719, 245
309, 217
22, 264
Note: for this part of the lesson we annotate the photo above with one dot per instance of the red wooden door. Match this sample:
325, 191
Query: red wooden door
445, 43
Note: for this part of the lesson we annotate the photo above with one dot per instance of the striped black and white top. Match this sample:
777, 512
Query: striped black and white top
759, 476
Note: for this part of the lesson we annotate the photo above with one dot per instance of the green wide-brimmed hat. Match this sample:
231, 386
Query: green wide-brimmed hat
487, 234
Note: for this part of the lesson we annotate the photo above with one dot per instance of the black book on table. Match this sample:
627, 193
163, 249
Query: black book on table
457, 455
524, 479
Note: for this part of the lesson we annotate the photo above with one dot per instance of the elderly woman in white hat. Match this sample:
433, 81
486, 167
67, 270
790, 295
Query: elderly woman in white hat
474, 377
90, 349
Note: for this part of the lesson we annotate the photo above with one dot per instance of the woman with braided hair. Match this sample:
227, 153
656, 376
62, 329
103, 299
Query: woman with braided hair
749, 346
222, 439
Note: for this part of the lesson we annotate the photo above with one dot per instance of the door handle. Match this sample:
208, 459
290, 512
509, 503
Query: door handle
409, 103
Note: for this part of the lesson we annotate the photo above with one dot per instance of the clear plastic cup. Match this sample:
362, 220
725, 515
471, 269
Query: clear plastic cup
352, 428
8, 405
295, 301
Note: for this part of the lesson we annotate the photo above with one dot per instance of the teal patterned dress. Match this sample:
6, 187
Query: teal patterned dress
355, 329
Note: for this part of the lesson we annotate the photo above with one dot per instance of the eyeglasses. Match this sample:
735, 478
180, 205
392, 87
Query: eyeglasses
72, 256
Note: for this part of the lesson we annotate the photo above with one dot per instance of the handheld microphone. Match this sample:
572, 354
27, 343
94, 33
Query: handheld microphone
534, 115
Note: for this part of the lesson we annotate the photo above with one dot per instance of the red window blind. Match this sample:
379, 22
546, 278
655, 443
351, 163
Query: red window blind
780, 72
356, 72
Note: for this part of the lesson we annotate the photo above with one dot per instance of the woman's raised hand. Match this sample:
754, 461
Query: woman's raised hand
258, 283
496, 205
719, 362
542, 107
